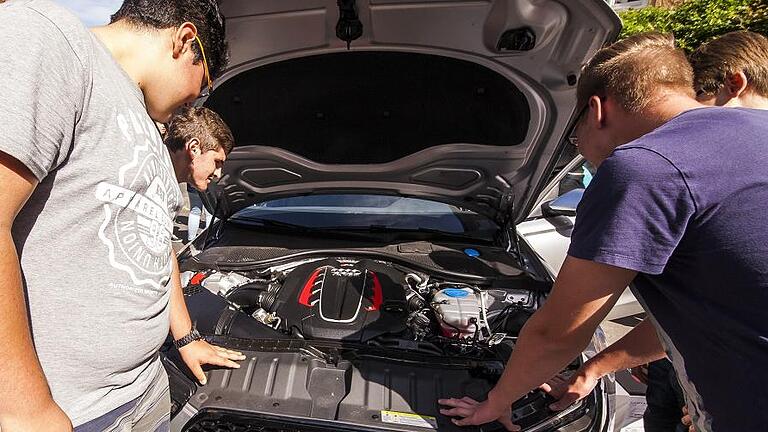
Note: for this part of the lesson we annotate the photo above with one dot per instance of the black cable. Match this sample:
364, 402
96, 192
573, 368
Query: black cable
299, 334
505, 315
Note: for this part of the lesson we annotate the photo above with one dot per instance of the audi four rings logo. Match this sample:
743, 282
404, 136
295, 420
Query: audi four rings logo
345, 272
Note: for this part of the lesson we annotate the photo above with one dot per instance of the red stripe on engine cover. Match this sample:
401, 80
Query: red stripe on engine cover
306, 292
378, 295
197, 279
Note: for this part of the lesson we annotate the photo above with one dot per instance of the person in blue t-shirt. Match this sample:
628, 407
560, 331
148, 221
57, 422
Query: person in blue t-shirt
732, 71
677, 208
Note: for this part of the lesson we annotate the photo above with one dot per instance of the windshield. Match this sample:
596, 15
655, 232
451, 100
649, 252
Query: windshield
365, 212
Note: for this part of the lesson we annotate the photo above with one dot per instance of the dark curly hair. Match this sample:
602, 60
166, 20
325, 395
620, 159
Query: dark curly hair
163, 14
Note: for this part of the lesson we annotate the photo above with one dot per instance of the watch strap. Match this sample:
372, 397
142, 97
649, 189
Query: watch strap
190, 337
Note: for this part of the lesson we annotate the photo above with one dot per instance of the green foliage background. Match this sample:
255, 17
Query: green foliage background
696, 21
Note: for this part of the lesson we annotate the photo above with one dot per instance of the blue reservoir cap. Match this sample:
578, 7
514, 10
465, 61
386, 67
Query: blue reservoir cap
474, 253
455, 292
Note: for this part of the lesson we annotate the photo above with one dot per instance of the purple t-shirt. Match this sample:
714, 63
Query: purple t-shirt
687, 207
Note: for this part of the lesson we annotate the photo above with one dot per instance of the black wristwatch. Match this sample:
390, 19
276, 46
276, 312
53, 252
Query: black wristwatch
188, 338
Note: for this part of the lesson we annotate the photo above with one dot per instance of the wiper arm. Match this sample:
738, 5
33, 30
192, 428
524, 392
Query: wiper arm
420, 230
378, 231
295, 228
271, 223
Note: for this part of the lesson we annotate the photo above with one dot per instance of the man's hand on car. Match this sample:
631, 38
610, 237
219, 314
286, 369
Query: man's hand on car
570, 389
477, 413
687, 420
199, 353
639, 346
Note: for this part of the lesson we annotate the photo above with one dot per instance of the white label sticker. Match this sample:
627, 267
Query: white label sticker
637, 408
409, 419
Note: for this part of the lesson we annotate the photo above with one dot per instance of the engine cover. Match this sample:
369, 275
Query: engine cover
341, 300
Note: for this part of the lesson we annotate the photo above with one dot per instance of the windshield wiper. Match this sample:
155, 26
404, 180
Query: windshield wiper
300, 229
420, 231
379, 232
271, 223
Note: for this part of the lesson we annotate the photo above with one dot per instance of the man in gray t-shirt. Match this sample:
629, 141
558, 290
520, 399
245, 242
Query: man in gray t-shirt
90, 287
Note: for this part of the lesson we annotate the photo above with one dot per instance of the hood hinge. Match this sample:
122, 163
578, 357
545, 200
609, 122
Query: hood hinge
505, 218
214, 204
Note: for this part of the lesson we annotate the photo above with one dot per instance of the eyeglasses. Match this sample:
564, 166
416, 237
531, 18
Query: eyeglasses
207, 90
574, 139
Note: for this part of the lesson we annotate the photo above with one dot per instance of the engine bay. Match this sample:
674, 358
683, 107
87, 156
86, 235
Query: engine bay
375, 303
360, 341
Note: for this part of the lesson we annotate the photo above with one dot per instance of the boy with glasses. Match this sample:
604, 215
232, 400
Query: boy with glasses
90, 285
665, 213
732, 71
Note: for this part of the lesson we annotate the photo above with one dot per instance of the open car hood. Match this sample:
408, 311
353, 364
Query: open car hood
465, 102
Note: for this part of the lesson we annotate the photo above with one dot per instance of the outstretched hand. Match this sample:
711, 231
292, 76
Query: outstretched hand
200, 352
568, 389
473, 412
687, 420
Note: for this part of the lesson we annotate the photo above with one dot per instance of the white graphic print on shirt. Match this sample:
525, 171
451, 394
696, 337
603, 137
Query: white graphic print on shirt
141, 206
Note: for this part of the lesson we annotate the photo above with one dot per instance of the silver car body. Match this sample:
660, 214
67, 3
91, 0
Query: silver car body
500, 180
550, 237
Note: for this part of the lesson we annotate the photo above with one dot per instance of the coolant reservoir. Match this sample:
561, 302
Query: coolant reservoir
458, 310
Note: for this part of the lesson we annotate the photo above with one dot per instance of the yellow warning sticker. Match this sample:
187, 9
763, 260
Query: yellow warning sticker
409, 419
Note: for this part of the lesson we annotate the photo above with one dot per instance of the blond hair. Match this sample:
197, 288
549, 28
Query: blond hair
634, 70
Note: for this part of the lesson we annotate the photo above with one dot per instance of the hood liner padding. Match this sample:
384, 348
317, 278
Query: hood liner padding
371, 107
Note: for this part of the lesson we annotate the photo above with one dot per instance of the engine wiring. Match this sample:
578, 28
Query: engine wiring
502, 316
470, 332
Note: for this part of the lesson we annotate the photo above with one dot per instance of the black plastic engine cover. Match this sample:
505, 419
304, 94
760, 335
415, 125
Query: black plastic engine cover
347, 301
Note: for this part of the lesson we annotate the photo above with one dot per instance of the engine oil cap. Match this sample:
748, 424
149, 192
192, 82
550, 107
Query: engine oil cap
474, 253
455, 292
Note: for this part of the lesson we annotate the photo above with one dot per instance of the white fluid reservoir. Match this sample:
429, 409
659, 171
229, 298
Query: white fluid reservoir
458, 310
